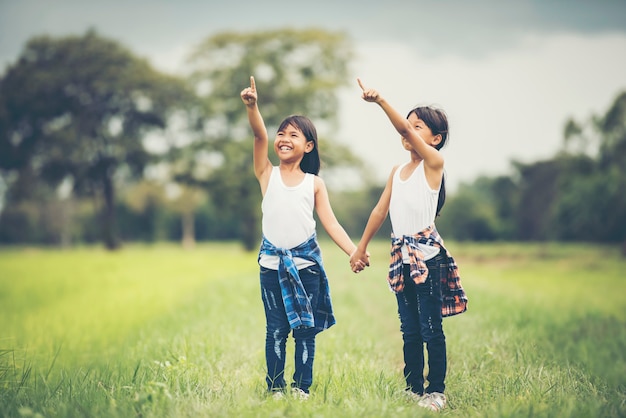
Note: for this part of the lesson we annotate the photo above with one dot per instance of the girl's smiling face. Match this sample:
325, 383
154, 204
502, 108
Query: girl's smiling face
290, 143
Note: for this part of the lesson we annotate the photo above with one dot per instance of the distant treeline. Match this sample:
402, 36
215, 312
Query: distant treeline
98, 146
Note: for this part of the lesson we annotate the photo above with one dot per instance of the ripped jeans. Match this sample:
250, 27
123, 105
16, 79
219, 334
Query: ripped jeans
278, 330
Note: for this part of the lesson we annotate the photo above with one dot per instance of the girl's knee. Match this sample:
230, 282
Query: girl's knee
277, 333
304, 334
433, 335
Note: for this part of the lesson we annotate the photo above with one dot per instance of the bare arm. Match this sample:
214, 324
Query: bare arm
432, 158
262, 163
375, 221
328, 219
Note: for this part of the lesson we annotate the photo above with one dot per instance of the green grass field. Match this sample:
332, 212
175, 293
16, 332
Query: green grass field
157, 331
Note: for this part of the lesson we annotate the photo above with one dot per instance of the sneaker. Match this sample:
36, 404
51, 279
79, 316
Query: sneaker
278, 395
413, 396
434, 401
299, 394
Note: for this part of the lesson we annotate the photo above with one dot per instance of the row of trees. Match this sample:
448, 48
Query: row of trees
95, 144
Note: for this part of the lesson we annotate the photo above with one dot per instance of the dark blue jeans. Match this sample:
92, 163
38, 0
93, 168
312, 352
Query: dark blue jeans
419, 309
278, 330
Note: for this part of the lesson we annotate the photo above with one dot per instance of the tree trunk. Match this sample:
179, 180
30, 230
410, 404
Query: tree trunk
67, 206
189, 234
109, 230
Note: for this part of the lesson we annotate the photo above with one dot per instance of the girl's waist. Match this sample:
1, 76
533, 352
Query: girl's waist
428, 250
272, 261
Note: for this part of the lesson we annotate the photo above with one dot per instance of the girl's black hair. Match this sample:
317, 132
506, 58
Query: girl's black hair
311, 161
437, 122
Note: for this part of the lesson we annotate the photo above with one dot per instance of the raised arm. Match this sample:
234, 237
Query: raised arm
262, 163
431, 156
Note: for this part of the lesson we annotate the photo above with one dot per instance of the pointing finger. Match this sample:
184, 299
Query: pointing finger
360, 84
252, 85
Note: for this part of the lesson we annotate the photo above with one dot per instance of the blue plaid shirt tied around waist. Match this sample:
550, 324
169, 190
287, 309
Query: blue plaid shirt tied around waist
454, 298
298, 307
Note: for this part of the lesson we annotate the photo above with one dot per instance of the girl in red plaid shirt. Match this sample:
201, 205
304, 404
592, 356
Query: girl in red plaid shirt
422, 273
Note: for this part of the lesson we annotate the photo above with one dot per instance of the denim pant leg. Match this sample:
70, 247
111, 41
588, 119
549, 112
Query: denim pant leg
305, 337
430, 301
276, 329
419, 307
413, 345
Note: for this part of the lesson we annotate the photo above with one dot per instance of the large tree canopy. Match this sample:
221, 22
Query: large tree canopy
296, 72
78, 108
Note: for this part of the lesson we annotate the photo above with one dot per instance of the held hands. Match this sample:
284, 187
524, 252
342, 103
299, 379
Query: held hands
359, 260
249, 95
369, 95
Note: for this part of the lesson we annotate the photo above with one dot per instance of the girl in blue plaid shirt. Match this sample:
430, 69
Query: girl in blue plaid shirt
294, 286
422, 273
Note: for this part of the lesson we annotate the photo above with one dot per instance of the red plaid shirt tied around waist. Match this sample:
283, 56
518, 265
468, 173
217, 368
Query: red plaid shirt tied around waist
454, 298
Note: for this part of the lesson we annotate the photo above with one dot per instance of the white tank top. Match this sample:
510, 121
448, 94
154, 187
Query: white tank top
287, 216
413, 207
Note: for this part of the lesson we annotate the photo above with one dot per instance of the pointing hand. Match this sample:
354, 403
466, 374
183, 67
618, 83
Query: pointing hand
249, 95
369, 95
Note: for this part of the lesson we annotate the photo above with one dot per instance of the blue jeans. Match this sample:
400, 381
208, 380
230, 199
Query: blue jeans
278, 330
419, 309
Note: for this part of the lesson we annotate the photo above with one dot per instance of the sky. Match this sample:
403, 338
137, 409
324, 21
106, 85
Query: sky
509, 74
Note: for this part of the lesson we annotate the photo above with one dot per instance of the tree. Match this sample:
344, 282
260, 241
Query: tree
592, 203
296, 72
538, 188
185, 203
79, 108
471, 213
612, 128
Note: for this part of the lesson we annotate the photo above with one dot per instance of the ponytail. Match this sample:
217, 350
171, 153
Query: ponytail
441, 200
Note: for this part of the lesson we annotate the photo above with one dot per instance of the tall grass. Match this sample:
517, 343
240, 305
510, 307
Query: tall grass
157, 331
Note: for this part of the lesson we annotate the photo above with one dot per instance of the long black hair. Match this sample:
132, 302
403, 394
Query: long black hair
437, 122
311, 161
